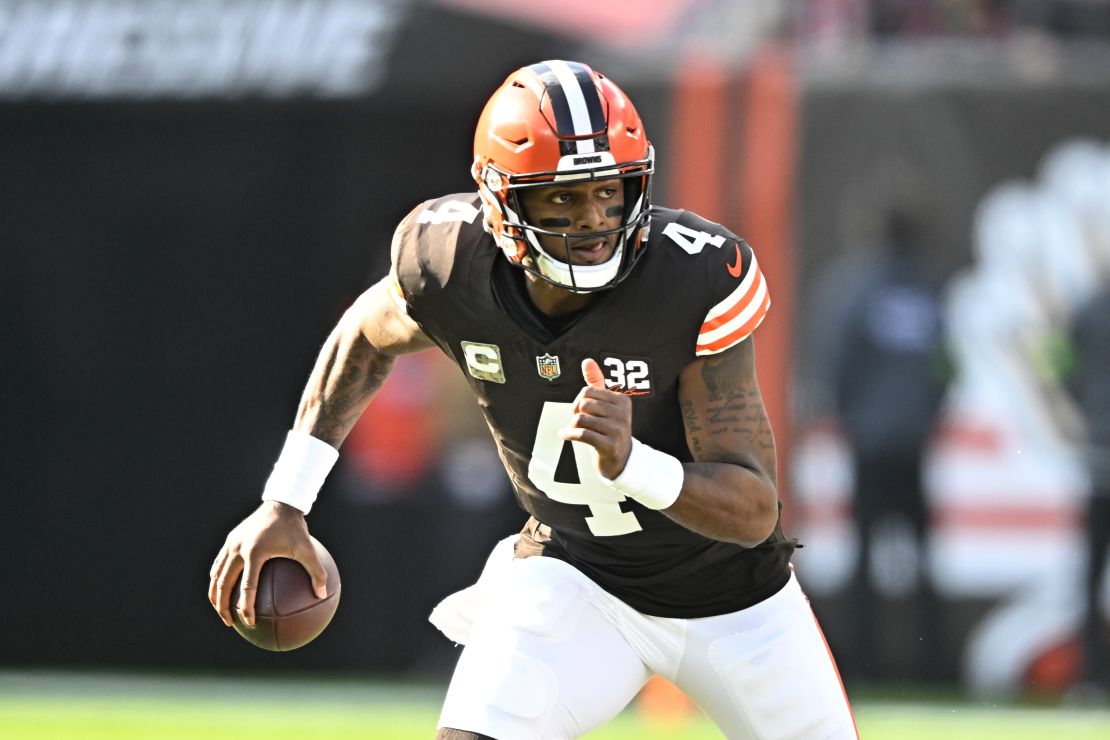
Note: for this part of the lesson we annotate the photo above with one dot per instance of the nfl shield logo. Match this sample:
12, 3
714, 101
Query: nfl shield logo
548, 367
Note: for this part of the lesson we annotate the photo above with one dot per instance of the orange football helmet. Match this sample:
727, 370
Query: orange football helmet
560, 121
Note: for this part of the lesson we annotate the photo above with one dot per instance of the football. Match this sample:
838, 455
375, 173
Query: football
287, 614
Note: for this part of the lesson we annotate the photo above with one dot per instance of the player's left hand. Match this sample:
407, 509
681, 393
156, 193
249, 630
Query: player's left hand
602, 419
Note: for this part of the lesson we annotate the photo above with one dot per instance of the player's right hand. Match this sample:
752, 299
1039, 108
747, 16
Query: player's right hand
602, 419
273, 530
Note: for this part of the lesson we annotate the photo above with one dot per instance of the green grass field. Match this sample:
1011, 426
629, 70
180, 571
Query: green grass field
42, 705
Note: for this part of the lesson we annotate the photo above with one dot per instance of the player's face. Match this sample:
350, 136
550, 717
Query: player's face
577, 208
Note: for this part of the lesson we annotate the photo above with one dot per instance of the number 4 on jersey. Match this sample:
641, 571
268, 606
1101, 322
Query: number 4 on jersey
452, 210
692, 240
606, 517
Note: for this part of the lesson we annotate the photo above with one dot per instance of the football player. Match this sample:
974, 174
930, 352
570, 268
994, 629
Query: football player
608, 342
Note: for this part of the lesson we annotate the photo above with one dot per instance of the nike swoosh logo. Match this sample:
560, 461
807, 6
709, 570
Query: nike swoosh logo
736, 269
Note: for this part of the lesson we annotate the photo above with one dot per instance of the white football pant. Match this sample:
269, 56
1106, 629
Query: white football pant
551, 655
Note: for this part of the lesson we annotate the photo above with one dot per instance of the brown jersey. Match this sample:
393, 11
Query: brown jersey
696, 290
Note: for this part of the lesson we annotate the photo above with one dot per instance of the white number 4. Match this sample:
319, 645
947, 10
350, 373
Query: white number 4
691, 240
452, 210
606, 518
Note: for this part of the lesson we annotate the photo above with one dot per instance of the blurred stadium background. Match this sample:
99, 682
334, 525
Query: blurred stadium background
193, 191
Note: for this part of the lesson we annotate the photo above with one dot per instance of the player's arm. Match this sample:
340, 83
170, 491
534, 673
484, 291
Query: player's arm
728, 493
353, 364
355, 361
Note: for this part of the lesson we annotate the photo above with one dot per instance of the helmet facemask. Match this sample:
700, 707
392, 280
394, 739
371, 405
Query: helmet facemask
520, 239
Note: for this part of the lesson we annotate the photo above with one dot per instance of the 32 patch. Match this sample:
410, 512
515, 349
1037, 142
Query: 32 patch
629, 375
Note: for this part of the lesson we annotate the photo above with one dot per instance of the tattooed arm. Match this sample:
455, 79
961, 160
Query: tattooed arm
352, 366
728, 492
354, 363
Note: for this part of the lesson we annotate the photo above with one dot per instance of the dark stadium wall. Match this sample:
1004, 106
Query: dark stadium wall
177, 269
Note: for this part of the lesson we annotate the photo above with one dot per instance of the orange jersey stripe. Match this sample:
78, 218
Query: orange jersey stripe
737, 336
740, 304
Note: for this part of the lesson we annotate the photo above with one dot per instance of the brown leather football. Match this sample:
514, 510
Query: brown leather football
287, 614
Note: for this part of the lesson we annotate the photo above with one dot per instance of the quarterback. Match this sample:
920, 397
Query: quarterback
608, 342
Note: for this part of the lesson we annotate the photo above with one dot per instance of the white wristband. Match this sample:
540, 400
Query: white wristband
651, 477
300, 471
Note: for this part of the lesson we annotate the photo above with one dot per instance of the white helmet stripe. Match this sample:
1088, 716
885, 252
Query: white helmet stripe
579, 112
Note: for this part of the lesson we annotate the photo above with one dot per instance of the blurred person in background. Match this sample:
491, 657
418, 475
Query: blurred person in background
608, 342
1075, 174
889, 377
1089, 383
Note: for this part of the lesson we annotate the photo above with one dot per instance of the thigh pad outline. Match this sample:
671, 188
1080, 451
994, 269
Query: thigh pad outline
512, 683
780, 677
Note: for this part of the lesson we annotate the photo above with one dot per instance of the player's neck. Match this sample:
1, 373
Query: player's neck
553, 300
